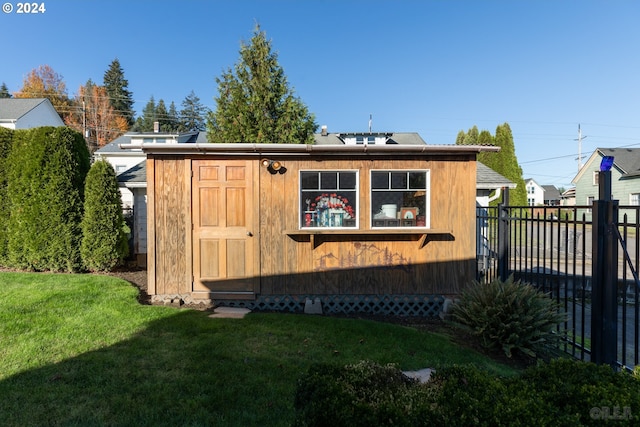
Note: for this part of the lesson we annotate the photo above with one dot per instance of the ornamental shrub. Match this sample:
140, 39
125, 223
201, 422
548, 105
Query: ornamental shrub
104, 242
362, 394
47, 167
6, 138
511, 316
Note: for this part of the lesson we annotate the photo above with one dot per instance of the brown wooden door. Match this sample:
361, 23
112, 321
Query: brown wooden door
224, 229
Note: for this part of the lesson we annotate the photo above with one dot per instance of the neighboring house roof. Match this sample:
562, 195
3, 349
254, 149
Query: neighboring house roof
551, 192
13, 109
488, 179
533, 181
626, 160
135, 176
347, 138
569, 193
131, 137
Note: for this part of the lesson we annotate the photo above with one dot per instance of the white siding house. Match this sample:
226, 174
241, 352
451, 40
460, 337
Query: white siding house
535, 193
27, 113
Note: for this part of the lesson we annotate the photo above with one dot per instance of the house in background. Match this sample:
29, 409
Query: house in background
27, 113
568, 197
130, 167
359, 224
535, 192
625, 179
490, 185
552, 196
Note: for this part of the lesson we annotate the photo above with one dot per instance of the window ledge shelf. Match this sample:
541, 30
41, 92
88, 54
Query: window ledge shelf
316, 236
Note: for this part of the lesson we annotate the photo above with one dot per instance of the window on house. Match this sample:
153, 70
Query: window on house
400, 198
328, 199
595, 177
634, 199
120, 169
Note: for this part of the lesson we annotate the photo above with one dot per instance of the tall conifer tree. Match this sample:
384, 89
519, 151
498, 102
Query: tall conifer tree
119, 94
255, 103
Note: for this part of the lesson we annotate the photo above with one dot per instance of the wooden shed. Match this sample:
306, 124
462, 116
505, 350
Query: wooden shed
383, 228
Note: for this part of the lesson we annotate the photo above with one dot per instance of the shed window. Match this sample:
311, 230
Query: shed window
400, 198
328, 199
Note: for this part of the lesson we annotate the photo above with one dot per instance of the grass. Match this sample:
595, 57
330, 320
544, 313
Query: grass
80, 350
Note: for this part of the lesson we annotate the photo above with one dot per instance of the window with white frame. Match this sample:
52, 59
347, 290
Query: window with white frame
634, 199
328, 199
399, 198
595, 177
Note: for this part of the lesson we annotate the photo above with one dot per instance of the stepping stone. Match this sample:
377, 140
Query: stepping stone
229, 313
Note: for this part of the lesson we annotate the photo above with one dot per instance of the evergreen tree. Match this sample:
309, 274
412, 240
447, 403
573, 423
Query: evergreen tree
4, 91
162, 116
104, 242
172, 123
504, 161
6, 138
509, 164
47, 167
255, 103
193, 114
144, 123
117, 88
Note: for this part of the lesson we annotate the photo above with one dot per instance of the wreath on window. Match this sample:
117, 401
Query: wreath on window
333, 201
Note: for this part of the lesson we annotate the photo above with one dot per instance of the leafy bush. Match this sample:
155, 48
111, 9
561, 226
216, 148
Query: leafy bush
364, 394
47, 167
104, 242
562, 393
510, 316
574, 389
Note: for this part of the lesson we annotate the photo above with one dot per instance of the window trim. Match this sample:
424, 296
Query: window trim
356, 198
427, 213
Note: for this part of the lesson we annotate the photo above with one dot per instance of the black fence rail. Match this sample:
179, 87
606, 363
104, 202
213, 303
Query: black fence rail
551, 248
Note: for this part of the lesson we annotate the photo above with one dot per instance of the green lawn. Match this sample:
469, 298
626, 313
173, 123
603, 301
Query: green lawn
80, 350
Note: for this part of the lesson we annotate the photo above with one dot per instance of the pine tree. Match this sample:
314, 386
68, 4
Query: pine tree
162, 116
255, 103
172, 123
104, 242
144, 123
4, 91
117, 88
193, 114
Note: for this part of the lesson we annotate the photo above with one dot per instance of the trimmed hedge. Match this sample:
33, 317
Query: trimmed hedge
6, 139
563, 392
104, 242
47, 167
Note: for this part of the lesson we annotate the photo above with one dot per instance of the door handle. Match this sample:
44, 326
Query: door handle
250, 234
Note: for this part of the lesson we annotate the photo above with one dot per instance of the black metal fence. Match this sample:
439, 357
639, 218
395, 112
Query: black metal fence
551, 248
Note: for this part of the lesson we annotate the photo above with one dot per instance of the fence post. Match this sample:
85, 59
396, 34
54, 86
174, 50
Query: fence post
503, 236
604, 304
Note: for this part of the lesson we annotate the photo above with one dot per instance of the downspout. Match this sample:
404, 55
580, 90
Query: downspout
497, 195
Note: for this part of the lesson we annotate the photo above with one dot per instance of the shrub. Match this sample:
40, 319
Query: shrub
363, 394
47, 167
104, 242
510, 316
573, 390
6, 138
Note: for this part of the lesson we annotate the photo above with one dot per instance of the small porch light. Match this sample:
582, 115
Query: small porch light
271, 165
606, 163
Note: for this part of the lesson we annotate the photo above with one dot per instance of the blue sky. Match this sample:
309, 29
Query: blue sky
432, 67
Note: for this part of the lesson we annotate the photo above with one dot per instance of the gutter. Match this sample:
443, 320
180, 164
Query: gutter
297, 149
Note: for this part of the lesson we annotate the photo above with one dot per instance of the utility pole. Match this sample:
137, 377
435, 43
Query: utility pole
580, 138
